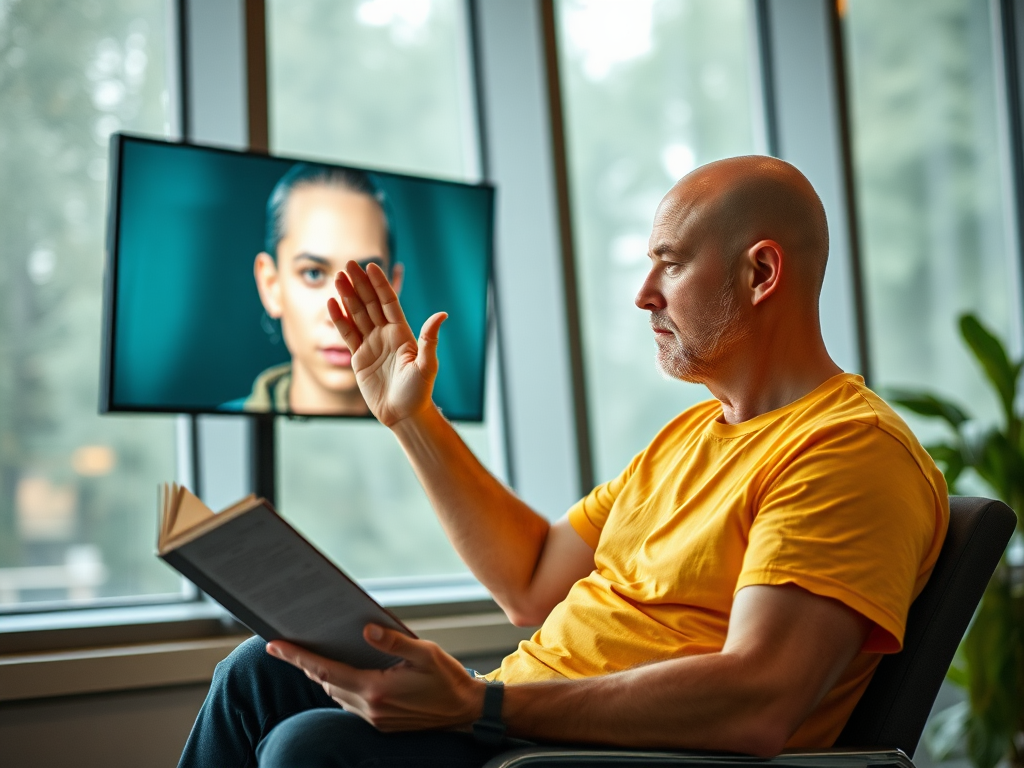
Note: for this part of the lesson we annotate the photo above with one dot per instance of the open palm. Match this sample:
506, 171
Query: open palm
395, 371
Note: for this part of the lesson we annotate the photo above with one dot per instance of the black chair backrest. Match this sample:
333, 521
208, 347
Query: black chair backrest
893, 710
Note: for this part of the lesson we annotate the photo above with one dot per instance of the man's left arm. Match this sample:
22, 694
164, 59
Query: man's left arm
786, 647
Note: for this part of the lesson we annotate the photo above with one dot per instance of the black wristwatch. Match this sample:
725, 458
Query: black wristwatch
489, 729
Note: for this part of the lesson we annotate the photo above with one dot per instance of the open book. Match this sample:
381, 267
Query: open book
251, 561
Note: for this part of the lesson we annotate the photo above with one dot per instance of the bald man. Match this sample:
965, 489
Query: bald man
733, 589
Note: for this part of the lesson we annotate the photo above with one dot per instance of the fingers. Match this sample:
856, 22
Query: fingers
386, 295
317, 668
419, 653
426, 356
355, 309
353, 338
349, 701
365, 291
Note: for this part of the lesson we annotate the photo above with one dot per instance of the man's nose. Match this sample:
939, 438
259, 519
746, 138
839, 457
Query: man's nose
649, 297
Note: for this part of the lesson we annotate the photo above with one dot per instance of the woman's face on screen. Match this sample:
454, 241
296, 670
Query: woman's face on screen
324, 228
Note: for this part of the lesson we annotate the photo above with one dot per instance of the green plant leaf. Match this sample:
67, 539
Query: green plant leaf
946, 732
986, 746
927, 404
957, 676
1001, 465
992, 356
950, 459
991, 651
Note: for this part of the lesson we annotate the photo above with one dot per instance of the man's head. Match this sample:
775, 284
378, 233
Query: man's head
318, 218
738, 249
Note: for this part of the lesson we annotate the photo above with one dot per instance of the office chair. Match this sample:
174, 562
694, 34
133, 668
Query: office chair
886, 724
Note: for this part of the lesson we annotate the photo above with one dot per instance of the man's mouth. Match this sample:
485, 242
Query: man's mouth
662, 326
340, 357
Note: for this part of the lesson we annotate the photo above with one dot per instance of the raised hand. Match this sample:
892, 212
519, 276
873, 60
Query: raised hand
394, 370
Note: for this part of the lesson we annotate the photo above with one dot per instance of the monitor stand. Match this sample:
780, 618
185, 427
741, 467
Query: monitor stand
263, 458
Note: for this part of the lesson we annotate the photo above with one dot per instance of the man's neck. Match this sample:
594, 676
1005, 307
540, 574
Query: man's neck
754, 381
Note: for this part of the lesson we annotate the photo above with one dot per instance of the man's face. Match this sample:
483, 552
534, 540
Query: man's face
690, 291
324, 228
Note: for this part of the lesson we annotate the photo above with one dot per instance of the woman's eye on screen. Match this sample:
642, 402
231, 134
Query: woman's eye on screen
313, 276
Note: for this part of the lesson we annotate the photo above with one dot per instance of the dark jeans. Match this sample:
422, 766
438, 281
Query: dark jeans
262, 711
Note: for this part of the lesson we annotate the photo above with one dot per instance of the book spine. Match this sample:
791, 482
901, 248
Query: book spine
238, 609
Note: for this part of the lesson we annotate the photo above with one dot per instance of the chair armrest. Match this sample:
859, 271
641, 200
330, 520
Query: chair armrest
567, 757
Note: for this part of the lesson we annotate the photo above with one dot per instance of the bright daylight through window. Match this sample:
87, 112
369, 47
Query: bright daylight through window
931, 169
652, 89
386, 85
77, 520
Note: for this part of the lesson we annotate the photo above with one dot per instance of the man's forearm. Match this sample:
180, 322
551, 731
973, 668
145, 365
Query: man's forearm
714, 701
495, 533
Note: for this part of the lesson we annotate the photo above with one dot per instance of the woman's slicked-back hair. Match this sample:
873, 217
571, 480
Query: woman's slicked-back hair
313, 175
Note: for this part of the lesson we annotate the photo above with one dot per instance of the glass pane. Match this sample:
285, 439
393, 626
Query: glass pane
372, 82
77, 502
379, 84
931, 193
651, 90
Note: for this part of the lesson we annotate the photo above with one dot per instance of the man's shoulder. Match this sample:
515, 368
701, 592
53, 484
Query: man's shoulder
858, 422
855, 406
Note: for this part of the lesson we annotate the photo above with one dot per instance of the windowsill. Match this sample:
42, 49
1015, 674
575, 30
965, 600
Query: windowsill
114, 668
70, 652
128, 625
38, 675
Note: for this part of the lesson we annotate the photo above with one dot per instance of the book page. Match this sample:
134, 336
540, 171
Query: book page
189, 517
248, 502
169, 498
190, 512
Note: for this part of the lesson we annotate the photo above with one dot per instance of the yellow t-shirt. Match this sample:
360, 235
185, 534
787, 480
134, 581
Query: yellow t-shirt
832, 493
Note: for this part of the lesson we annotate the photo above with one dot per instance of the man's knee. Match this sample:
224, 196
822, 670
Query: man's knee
244, 661
318, 738
249, 668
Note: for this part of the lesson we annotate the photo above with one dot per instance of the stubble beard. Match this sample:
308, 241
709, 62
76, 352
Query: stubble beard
695, 356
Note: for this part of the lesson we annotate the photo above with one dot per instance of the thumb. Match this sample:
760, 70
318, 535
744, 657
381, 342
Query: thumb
426, 356
416, 652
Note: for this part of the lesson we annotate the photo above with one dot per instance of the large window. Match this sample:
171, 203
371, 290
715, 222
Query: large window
652, 89
77, 503
379, 84
932, 192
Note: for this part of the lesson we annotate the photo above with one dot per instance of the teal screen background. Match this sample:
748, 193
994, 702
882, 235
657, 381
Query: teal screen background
188, 331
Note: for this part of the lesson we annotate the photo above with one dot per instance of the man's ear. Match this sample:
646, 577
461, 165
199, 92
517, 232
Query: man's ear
268, 283
397, 277
765, 259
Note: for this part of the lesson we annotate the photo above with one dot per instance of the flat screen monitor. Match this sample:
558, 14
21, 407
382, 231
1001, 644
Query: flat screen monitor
220, 264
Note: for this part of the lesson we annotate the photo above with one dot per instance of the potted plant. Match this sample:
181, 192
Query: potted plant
989, 664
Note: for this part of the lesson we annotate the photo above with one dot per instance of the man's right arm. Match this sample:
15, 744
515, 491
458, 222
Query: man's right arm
527, 563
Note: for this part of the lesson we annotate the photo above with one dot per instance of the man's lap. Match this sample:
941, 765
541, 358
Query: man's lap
334, 738
262, 709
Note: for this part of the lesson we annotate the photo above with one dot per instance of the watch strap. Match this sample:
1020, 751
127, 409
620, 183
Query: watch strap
489, 729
